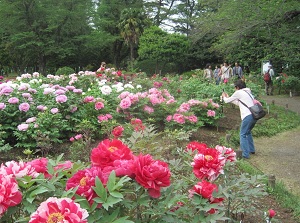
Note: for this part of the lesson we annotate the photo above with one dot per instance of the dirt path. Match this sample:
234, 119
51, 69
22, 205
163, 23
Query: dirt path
280, 155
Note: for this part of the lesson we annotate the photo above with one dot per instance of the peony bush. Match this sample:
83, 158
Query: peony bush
40, 113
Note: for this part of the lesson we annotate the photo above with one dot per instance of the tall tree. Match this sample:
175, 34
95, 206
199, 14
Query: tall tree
107, 20
163, 47
253, 30
36, 35
133, 22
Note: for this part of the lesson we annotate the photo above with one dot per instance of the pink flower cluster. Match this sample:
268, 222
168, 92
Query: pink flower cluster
104, 118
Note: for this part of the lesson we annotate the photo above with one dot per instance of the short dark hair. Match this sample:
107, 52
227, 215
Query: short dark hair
240, 84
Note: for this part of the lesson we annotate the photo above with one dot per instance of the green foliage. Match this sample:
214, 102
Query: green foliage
65, 71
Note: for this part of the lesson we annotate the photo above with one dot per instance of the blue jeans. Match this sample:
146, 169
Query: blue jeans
246, 139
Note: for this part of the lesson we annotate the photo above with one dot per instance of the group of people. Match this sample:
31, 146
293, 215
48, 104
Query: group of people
222, 73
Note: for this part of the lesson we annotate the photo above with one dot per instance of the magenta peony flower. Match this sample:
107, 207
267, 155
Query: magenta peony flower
23, 127
117, 131
61, 98
152, 174
59, 210
2, 106
228, 153
13, 100
9, 193
24, 107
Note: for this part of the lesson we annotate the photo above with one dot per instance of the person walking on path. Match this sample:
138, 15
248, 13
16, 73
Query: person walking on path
237, 71
269, 84
208, 74
243, 94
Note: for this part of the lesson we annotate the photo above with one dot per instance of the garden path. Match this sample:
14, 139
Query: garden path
280, 155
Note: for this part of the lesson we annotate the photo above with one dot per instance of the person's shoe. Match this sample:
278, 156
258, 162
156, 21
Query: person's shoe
252, 152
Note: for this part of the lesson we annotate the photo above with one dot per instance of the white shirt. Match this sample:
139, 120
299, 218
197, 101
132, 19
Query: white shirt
244, 97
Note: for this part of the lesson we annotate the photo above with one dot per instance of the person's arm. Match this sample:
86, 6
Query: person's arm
233, 99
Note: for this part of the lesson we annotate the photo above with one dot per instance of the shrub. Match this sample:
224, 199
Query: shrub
64, 71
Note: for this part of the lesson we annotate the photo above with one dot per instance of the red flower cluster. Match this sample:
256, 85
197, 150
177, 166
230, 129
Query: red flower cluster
137, 124
114, 155
117, 131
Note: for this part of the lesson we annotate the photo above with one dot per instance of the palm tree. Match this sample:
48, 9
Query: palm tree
133, 22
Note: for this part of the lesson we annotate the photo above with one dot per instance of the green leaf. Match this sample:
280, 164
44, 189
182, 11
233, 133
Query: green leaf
110, 202
111, 181
100, 189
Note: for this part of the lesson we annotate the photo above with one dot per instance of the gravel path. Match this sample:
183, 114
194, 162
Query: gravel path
280, 155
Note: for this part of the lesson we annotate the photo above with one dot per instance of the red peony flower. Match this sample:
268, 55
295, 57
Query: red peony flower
206, 189
200, 147
59, 210
9, 193
272, 213
152, 174
117, 131
85, 180
108, 151
208, 164
40, 166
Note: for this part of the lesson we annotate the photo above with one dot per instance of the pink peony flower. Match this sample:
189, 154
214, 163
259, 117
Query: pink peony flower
148, 109
152, 174
2, 106
99, 105
24, 107
9, 193
54, 110
13, 100
89, 99
30, 120
72, 139
23, 127
40, 166
41, 108
85, 180
208, 164
59, 210
169, 118
125, 103
102, 118
61, 98
192, 118
228, 153
179, 118
18, 169
211, 113
77, 137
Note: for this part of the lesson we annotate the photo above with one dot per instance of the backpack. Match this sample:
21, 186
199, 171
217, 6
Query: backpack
267, 76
